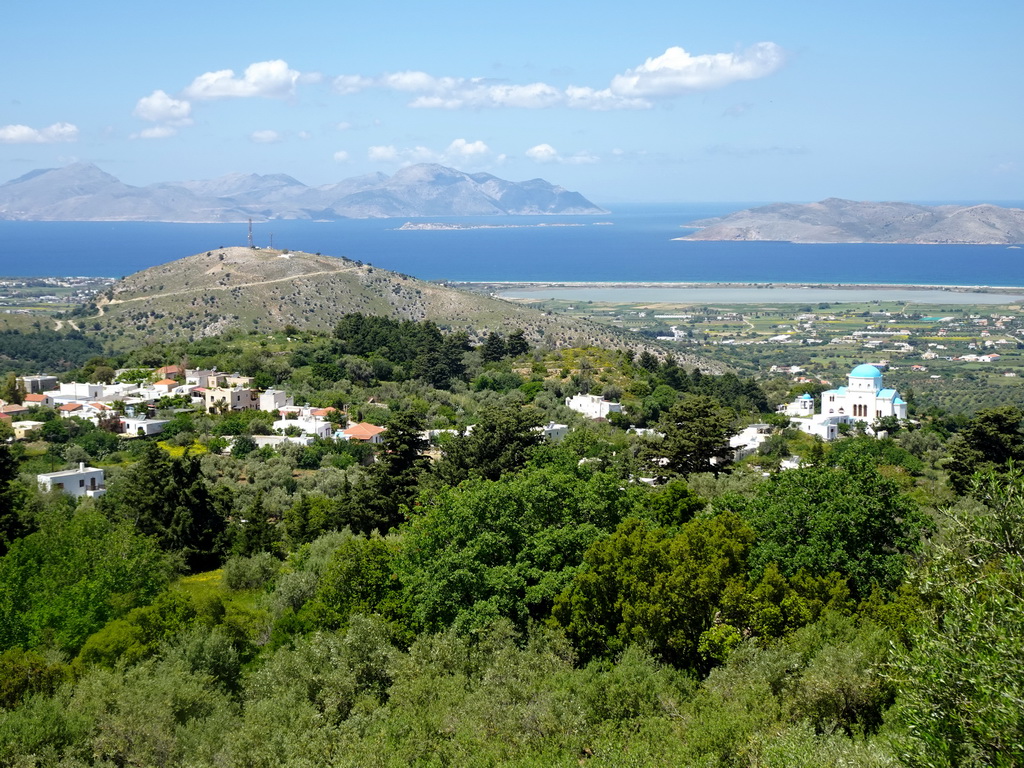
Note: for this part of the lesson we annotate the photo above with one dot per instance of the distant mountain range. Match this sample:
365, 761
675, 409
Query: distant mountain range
846, 221
83, 192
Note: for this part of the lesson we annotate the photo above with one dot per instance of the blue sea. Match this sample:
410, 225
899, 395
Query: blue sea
632, 244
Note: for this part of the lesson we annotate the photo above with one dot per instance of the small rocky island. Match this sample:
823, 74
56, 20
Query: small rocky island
847, 221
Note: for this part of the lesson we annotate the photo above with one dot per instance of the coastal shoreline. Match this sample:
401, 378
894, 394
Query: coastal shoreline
1011, 290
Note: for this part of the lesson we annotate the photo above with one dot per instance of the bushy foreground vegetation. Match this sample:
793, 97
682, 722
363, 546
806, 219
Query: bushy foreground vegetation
500, 600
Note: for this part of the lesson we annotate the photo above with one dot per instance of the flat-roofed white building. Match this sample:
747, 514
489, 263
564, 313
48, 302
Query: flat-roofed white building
84, 481
33, 385
592, 406
274, 400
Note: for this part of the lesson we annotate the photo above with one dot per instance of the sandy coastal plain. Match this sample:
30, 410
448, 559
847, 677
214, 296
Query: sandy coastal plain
753, 293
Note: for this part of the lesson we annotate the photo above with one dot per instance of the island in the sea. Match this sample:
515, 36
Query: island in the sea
847, 221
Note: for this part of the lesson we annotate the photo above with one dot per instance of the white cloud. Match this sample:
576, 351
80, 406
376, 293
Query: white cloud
272, 79
305, 135
158, 107
23, 134
343, 126
676, 71
346, 84
673, 73
542, 153
602, 100
155, 132
467, 149
341, 156
545, 153
460, 152
477, 94
265, 137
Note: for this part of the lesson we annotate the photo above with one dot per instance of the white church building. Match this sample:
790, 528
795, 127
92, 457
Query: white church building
863, 399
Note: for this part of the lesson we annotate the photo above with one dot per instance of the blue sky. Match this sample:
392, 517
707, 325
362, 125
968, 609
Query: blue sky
625, 102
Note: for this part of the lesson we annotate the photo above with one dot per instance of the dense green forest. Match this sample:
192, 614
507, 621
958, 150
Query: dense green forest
491, 598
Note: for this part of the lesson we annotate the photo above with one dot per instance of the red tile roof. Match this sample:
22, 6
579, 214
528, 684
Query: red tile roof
363, 431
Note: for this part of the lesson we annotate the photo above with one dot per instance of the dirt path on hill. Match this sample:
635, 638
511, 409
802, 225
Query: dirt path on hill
151, 296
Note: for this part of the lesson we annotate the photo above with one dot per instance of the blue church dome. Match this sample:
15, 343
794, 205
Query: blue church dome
866, 372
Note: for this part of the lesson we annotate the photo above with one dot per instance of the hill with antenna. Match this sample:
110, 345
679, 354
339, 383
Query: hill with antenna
264, 290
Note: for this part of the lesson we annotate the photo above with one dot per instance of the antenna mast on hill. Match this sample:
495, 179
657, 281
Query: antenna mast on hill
250, 234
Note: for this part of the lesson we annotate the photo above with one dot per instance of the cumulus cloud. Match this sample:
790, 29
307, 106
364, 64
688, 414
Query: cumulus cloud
542, 153
459, 152
158, 107
23, 134
271, 79
265, 137
676, 71
341, 156
468, 149
545, 153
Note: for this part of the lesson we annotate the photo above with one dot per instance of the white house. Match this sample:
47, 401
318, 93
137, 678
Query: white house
77, 390
749, 440
592, 406
274, 400
202, 378
143, 427
84, 481
38, 399
276, 441
364, 432
310, 425
553, 432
